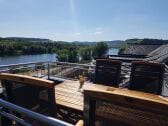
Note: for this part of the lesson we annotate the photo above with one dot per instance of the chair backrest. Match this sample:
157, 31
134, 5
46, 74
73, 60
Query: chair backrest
147, 77
120, 107
29, 92
107, 72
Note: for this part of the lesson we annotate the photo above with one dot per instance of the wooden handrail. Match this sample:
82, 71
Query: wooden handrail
27, 80
130, 97
123, 106
80, 123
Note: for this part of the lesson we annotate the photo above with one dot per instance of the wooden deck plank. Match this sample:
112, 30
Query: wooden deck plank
70, 97
67, 91
79, 98
69, 105
67, 95
72, 101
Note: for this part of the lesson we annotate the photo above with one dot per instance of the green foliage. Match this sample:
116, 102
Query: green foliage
19, 47
66, 52
73, 56
122, 48
62, 55
146, 41
100, 50
86, 53
68, 55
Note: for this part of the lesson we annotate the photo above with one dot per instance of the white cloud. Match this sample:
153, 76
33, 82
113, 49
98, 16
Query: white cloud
98, 33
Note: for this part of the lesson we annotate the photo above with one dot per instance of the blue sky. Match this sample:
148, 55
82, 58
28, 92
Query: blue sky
84, 20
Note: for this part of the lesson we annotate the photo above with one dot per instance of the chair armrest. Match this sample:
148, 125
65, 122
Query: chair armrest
27, 80
80, 123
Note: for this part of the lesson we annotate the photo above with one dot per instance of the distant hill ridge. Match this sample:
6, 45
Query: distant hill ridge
147, 41
28, 39
114, 43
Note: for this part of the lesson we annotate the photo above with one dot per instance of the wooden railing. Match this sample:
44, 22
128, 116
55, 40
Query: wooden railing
65, 70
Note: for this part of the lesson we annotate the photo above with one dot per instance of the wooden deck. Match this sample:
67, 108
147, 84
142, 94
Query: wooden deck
68, 96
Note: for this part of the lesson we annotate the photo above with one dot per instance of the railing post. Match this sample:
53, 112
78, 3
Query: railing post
48, 70
52, 101
89, 111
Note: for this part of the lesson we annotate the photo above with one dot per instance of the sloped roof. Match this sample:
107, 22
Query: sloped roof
159, 55
140, 49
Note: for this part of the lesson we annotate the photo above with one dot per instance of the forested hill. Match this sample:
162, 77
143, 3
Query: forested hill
115, 43
13, 46
21, 46
147, 41
26, 39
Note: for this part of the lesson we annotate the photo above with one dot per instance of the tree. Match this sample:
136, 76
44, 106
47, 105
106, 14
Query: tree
100, 50
62, 55
86, 53
68, 55
122, 48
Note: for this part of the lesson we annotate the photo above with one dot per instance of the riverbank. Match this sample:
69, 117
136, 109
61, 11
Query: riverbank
38, 58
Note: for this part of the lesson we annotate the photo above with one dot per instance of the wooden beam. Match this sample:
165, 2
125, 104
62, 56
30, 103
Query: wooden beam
27, 80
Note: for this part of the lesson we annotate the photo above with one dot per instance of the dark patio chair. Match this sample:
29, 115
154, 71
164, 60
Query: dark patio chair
107, 72
147, 77
29, 92
120, 107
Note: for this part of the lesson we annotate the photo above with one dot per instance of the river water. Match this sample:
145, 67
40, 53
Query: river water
113, 51
27, 58
37, 58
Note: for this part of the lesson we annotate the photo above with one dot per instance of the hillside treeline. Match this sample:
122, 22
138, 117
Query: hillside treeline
11, 47
66, 52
